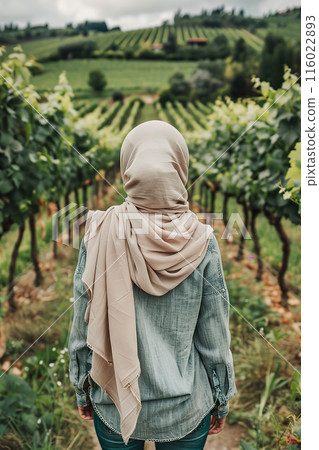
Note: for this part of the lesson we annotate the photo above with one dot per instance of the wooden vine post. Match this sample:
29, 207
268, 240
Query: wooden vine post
34, 250
213, 187
97, 190
225, 209
76, 196
206, 197
254, 214
66, 203
12, 268
84, 192
240, 254
276, 221
55, 232
210, 189
93, 197
212, 201
191, 189
201, 192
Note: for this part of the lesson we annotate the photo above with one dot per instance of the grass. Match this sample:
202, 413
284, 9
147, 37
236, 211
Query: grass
268, 411
24, 261
254, 361
42, 48
125, 75
263, 411
146, 113
291, 33
289, 27
45, 365
270, 243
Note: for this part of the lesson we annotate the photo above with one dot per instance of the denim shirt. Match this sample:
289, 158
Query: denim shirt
184, 351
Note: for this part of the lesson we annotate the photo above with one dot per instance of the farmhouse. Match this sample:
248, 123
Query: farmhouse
196, 42
157, 47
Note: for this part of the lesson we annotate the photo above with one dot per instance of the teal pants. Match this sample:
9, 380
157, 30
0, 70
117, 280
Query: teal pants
111, 441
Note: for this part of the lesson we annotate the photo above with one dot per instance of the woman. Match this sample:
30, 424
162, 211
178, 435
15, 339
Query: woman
149, 344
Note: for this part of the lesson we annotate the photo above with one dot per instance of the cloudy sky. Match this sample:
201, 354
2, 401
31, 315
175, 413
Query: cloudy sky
128, 14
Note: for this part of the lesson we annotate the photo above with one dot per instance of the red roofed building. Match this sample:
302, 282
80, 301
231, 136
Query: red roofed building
157, 47
199, 41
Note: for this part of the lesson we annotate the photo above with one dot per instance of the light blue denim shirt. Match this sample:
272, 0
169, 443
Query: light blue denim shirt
184, 351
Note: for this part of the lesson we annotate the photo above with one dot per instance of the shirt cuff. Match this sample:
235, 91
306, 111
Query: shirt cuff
82, 398
220, 411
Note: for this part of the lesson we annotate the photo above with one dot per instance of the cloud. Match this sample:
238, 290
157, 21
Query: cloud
128, 14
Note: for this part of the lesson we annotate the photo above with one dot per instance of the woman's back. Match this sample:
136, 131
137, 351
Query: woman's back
183, 347
155, 313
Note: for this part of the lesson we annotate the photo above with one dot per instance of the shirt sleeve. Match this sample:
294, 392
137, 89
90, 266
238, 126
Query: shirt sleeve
77, 348
212, 336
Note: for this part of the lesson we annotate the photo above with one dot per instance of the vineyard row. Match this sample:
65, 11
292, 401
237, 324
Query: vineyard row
241, 149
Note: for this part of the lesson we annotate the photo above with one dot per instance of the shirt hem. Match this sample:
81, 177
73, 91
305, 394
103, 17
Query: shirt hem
147, 438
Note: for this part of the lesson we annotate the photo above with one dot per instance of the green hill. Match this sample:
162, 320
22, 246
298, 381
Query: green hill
286, 24
252, 30
135, 39
42, 42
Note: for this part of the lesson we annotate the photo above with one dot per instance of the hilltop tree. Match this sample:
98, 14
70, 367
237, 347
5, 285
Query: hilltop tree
203, 84
219, 48
271, 42
178, 85
275, 55
171, 45
216, 68
240, 50
177, 15
241, 86
95, 26
218, 11
97, 80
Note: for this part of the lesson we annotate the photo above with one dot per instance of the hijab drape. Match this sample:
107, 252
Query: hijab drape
152, 239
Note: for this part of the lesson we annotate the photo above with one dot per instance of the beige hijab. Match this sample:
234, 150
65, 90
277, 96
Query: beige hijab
152, 239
